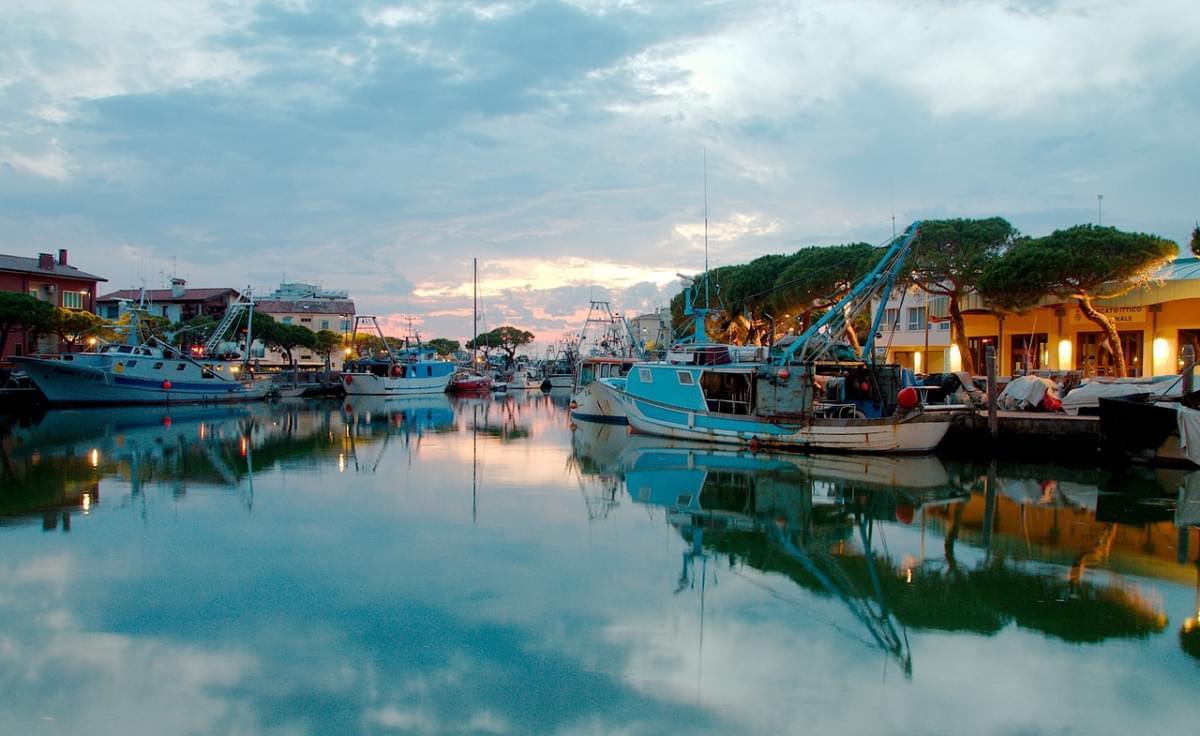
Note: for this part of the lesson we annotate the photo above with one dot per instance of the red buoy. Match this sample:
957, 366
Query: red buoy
397, 370
349, 380
783, 374
908, 398
166, 420
166, 385
905, 513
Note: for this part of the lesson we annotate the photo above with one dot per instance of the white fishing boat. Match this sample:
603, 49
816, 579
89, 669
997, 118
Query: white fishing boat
609, 349
149, 371
412, 370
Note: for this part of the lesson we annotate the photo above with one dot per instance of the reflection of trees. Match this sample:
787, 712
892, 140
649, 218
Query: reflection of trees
811, 549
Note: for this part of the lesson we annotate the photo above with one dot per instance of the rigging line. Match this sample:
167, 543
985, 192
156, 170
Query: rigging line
812, 612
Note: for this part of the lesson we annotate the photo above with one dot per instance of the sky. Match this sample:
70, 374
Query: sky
572, 148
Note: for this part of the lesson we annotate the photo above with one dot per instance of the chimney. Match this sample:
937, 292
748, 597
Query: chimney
46, 261
178, 287
62, 256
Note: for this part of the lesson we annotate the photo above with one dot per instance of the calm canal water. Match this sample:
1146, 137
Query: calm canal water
478, 566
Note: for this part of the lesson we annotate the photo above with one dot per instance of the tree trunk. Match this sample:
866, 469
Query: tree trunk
1110, 332
4, 338
959, 329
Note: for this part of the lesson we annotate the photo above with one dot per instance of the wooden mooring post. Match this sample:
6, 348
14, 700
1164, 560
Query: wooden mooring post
993, 418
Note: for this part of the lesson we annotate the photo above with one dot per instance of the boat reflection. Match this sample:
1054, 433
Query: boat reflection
58, 464
823, 523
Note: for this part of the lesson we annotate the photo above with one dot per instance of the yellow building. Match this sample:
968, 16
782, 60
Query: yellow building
1154, 323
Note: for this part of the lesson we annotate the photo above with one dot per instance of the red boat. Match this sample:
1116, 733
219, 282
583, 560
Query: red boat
469, 383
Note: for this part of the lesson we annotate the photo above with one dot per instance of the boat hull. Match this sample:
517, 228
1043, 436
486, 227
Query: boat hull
369, 384
598, 402
914, 434
64, 383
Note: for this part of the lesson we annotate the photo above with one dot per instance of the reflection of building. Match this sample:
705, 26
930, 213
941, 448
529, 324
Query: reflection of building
1153, 324
49, 280
309, 306
177, 304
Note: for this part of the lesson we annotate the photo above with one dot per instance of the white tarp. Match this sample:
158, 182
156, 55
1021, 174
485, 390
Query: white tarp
1087, 395
1025, 393
1189, 433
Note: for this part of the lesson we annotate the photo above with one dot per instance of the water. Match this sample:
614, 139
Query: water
476, 566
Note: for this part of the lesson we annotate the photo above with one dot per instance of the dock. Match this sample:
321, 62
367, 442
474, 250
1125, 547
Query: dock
1026, 434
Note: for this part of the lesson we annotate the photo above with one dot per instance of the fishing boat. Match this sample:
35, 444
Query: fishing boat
411, 370
808, 393
609, 349
149, 371
1137, 428
472, 381
560, 367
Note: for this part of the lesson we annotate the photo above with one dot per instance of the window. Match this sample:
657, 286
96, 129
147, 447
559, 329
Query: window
939, 306
73, 299
945, 325
287, 320
180, 366
306, 320
891, 319
345, 325
131, 363
916, 319
33, 293
158, 366
324, 324
645, 376
685, 378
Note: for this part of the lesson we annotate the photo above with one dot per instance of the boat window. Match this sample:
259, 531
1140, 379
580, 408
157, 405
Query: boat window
428, 370
124, 349
685, 378
727, 393
683, 499
644, 375
157, 366
180, 366
587, 375
131, 364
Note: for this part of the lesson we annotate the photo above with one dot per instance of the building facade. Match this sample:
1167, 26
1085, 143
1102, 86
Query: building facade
309, 306
1153, 323
48, 279
177, 304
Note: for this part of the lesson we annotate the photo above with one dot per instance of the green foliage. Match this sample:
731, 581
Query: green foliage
507, 339
23, 312
816, 278
1085, 261
949, 256
71, 325
444, 346
326, 343
1195, 244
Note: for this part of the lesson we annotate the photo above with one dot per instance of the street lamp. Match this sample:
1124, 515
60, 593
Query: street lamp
1100, 210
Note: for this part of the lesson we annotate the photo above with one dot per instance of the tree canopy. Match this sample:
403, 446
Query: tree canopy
1195, 244
507, 339
948, 259
444, 346
23, 312
1084, 263
71, 325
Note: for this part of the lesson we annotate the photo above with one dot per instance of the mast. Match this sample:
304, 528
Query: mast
474, 314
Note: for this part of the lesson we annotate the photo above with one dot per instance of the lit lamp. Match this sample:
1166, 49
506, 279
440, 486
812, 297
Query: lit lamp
917, 362
955, 359
1064, 355
1161, 353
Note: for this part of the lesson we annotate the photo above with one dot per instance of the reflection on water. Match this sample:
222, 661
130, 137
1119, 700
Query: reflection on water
479, 565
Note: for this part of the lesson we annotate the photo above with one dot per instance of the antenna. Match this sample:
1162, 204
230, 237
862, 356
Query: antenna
892, 196
706, 300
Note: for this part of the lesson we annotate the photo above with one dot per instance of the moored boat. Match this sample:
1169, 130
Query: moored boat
412, 370
810, 393
146, 372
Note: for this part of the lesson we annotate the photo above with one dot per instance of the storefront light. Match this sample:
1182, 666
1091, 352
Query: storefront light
1161, 352
955, 359
1064, 355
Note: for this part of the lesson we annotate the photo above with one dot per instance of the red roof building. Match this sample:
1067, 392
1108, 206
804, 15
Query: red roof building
49, 279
